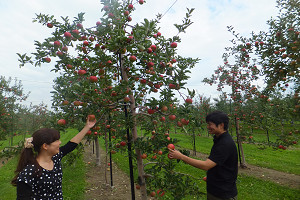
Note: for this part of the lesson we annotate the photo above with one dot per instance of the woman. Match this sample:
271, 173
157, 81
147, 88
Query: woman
39, 172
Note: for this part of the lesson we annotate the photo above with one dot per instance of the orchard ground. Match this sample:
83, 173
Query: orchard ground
98, 177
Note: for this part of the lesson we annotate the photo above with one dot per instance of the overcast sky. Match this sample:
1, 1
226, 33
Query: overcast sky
206, 38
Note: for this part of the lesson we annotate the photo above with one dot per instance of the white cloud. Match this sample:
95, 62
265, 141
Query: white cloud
206, 38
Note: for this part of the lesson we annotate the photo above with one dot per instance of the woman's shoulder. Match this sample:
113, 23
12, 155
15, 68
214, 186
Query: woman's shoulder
27, 173
29, 168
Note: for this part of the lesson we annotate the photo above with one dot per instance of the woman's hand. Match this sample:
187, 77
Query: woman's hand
91, 121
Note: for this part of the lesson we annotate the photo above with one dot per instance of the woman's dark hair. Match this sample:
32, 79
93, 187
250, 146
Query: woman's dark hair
218, 117
28, 155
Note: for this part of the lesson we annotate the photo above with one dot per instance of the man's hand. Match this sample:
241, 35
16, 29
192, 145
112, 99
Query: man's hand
174, 154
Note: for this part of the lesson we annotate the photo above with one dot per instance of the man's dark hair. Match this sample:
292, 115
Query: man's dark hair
218, 117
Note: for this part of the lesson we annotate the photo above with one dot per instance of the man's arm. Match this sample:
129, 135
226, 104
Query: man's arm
205, 165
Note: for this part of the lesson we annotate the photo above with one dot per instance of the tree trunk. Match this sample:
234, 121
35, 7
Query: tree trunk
140, 167
97, 151
240, 147
194, 143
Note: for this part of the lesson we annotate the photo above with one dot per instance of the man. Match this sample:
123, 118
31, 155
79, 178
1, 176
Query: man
222, 163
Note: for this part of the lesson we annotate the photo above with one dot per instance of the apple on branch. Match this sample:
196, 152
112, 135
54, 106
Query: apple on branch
173, 45
91, 117
61, 122
189, 101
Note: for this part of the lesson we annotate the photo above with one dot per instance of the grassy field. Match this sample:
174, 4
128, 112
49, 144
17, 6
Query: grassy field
73, 178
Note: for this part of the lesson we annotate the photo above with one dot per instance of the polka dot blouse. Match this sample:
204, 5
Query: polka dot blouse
49, 184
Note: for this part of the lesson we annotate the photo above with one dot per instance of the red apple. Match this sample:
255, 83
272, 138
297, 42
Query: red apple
141, 2
162, 119
85, 43
93, 79
61, 122
81, 72
172, 86
91, 117
153, 47
111, 15
132, 58
130, 6
144, 156
152, 194
164, 109
126, 99
172, 117
67, 34
76, 103
122, 143
179, 124
151, 111
47, 59
65, 102
49, 25
173, 45
160, 192
56, 43
59, 53
143, 81
75, 31
69, 66
184, 121
171, 146
189, 101
64, 48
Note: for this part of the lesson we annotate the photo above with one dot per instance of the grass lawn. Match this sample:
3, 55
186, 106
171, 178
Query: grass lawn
73, 178
16, 140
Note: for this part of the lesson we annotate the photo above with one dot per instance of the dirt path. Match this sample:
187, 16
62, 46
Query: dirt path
98, 188
285, 179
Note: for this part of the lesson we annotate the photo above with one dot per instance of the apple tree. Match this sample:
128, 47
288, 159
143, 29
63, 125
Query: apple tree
278, 48
11, 94
127, 76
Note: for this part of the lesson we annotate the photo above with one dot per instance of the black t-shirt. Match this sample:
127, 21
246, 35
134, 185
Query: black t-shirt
46, 186
221, 179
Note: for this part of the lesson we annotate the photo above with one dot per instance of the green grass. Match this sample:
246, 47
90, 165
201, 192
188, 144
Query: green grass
16, 140
73, 178
7, 191
250, 188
